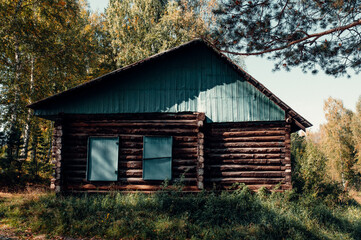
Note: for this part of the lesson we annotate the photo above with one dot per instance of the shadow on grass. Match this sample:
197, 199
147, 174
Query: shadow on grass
172, 215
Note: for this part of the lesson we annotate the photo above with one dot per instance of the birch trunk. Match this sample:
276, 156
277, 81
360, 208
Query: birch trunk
25, 150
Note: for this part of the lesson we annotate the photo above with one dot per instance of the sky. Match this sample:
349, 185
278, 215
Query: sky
304, 93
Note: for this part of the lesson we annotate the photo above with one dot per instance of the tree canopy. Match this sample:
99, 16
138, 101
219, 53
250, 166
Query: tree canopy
295, 33
141, 28
48, 46
45, 47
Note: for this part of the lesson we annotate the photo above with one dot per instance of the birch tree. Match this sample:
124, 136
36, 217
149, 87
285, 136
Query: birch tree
45, 47
337, 140
141, 28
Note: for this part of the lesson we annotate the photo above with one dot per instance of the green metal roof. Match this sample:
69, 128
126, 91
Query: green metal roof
192, 77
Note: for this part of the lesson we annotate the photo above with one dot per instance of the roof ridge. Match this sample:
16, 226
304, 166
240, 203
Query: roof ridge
302, 122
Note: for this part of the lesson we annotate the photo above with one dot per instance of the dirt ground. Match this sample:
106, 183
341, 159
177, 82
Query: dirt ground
8, 233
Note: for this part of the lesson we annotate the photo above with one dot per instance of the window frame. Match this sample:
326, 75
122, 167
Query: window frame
89, 165
144, 177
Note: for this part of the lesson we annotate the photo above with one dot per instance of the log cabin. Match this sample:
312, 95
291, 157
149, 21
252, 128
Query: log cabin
188, 114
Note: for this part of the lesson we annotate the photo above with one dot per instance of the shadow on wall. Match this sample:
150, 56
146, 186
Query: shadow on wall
192, 80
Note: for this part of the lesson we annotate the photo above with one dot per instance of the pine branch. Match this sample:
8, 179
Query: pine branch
315, 36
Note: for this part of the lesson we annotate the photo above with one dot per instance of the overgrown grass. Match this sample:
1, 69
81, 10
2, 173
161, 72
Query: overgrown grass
173, 215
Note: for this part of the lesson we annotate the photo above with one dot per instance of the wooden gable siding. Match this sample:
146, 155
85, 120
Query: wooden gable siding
72, 153
195, 79
250, 153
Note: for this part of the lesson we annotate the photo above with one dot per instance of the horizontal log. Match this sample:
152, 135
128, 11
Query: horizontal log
75, 155
130, 116
130, 157
135, 165
253, 187
128, 187
131, 164
67, 160
176, 144
181, 161
140, 180
131, 173
247, 180
181, 155
234, 167
222, 139
143, 131
249, 133
71, 179
176, 151
136, 149
244, 144
129, 137
106, 121
182, 169
265, 174
245, 156
174, 168
122, 157
241, 129
180, 134
245, 150
81, 163
71, 166
246, 161
130, 124
246, 124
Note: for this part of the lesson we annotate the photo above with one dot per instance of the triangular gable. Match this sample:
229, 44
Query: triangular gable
262, 104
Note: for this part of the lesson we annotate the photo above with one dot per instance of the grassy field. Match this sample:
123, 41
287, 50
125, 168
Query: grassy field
171, 215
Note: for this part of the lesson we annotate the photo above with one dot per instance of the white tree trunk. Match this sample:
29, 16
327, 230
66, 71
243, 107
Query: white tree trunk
25, 149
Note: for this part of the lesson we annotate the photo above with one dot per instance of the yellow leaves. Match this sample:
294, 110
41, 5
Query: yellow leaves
144, 27
87, 28
62, 3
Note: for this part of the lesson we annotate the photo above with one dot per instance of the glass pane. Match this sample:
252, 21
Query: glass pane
157, 147
157, 169
103, 159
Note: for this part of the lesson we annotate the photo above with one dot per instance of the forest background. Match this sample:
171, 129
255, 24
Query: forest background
50, 46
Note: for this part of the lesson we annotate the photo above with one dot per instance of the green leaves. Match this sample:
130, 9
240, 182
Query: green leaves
46, 47
141, 28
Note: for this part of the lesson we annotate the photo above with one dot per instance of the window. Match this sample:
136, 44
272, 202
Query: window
157, 158
102, 159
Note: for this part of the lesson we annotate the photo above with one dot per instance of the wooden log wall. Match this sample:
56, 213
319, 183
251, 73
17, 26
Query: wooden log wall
257, 154
130, 128
57, 153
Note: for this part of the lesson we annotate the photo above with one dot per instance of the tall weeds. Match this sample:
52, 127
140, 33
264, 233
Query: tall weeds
174, 215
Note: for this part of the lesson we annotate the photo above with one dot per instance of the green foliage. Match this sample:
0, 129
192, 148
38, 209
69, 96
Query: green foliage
306, 34
46, 47
310, 175
298, 147
141, 28
226, 215
337, 141
9, 166
313, 166
356, 132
